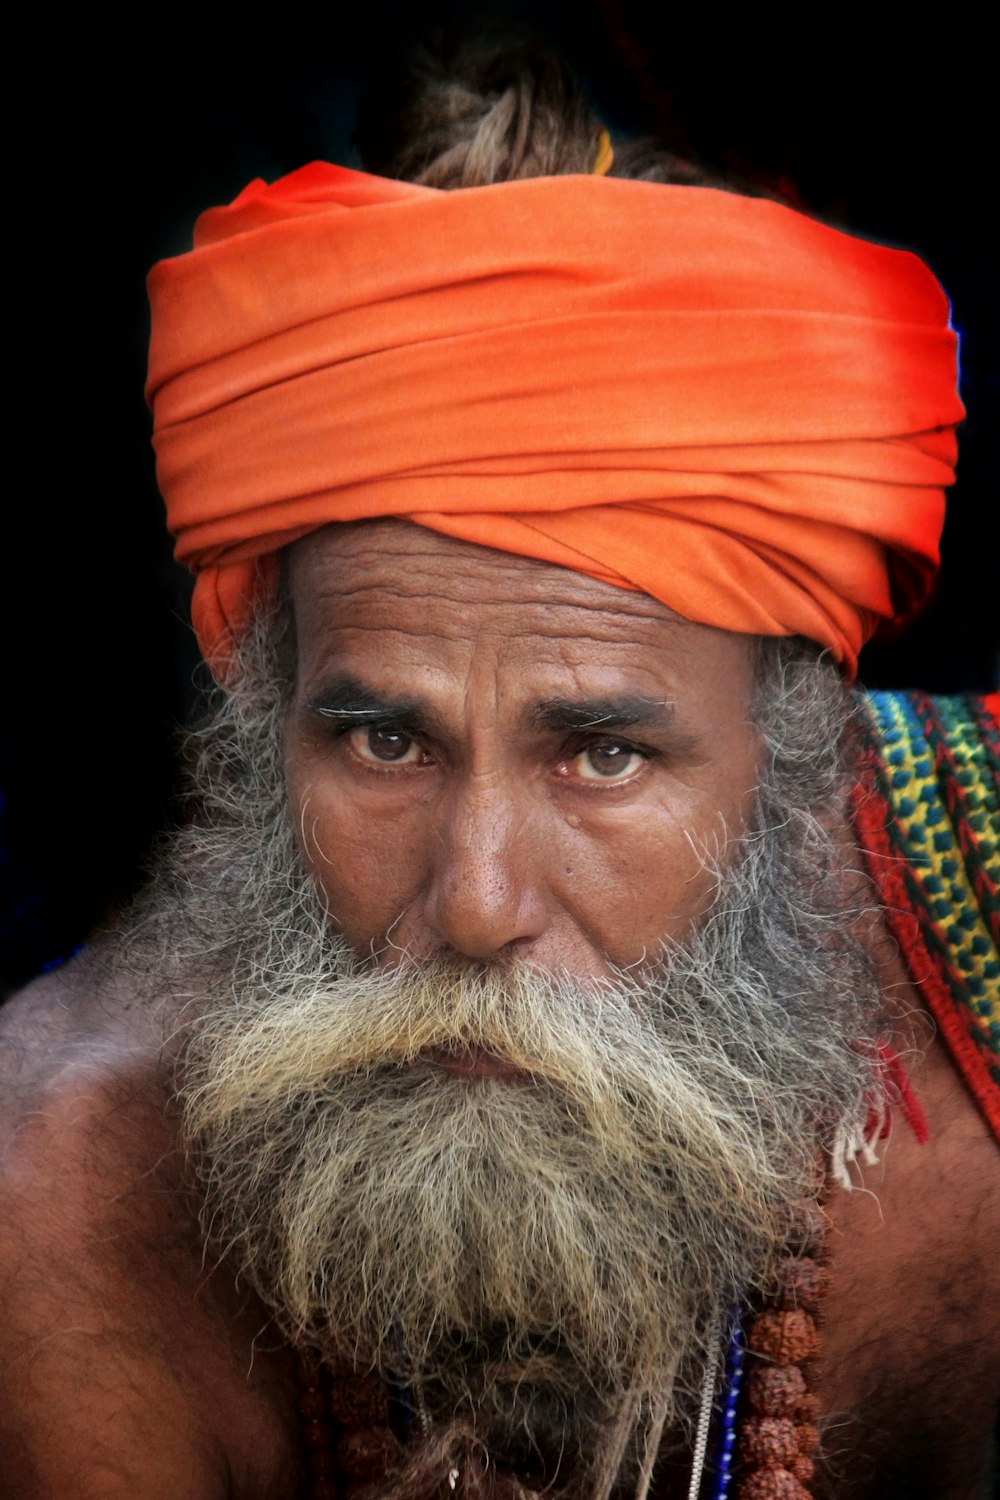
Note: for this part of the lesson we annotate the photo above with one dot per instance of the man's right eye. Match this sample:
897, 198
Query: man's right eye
378, 746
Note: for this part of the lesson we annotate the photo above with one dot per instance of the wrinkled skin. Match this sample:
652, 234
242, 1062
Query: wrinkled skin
474, 815
483, 826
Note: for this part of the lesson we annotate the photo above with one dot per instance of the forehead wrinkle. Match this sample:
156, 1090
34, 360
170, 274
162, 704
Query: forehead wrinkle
451, 591
407, 562
569, 622
421, 599
494, 669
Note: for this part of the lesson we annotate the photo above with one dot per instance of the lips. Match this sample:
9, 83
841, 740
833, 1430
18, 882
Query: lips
473, 1062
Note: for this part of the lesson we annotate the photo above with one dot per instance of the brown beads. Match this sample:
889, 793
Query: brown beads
803, 1282
777, 1435
776, 1390
346, 1436
771, 1484
767, 1441
808, 1437
317, 1433
809, 1409
787, 1337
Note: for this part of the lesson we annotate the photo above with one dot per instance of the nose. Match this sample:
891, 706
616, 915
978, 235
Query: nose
486, 892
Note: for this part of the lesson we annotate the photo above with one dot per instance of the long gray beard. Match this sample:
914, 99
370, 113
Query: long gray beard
581, 1230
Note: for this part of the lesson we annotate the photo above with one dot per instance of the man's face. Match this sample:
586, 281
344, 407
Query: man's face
493, 757
545, 1161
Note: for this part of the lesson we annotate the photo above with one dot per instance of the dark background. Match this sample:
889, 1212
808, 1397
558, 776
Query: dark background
129, 129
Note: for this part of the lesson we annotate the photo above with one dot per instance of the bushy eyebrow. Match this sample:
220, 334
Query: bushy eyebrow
559, 715
347, 698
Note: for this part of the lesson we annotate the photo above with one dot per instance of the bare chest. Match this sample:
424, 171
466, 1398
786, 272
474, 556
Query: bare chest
909, 1372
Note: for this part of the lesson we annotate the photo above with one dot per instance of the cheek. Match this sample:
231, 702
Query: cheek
365, 862
649, 877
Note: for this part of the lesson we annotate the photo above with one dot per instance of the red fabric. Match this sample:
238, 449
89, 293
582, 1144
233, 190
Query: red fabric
742, 412
902, 1097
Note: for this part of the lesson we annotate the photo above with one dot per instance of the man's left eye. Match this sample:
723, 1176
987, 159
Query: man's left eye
607, 762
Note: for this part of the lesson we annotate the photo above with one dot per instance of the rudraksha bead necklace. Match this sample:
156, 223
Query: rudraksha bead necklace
777, 1434
348, 1439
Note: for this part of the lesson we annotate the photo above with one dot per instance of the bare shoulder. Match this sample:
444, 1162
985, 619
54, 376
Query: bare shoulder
913, 1331
126, 1366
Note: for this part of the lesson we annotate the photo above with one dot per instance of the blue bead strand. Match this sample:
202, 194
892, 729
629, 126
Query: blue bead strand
732, 1385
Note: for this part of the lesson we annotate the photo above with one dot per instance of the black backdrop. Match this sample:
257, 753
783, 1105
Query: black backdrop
126, 131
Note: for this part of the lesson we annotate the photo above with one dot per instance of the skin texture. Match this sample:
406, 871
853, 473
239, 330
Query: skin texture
129, 1367
447, 800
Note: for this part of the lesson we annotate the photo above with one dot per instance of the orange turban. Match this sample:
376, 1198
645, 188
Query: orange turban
742, 412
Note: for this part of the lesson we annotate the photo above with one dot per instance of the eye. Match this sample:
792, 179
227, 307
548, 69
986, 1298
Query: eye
609, 760
380, 746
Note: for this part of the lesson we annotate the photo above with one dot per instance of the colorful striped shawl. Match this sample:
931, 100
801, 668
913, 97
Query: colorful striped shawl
927, 815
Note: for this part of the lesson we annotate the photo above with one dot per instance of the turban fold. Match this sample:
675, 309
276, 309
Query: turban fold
741, 412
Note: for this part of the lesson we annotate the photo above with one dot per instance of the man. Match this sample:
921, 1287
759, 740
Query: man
490, 1061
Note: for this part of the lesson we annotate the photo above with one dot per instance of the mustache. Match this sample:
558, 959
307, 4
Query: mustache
372, 1018
627, 1058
